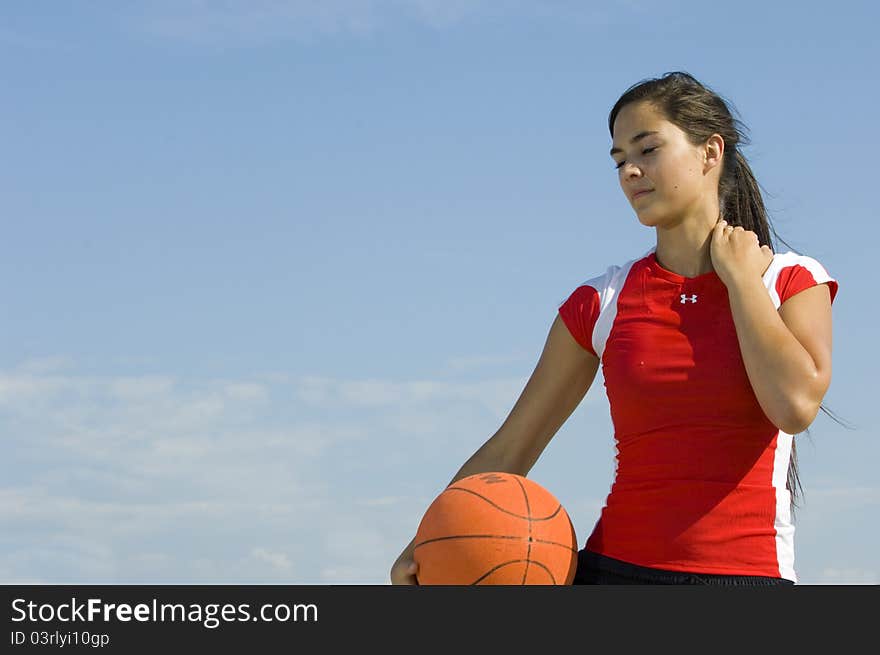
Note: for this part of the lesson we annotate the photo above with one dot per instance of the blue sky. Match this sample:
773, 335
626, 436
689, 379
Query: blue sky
272, 271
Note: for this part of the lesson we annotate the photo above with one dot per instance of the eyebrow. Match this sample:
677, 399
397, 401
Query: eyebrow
637, 137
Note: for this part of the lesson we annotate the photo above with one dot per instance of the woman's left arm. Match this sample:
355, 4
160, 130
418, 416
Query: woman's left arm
787, 353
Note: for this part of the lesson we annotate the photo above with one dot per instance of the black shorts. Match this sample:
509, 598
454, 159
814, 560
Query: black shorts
593, 568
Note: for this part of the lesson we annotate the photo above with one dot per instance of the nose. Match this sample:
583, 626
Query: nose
631, 170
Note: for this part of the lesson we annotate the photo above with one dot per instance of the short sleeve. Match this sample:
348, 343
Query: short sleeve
579, 312
800, 274
590, 310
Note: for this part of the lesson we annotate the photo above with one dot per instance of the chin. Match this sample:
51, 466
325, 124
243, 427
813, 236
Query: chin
649, 219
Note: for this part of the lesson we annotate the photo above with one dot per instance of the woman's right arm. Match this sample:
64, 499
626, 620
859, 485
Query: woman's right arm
559, 382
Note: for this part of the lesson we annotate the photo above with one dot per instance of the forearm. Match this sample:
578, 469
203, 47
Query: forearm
782, 373
491, 456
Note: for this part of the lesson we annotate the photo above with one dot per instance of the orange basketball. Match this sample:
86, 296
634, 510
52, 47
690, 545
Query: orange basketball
495, 529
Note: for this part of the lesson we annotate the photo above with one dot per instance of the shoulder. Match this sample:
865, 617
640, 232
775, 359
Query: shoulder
586, 310
791, 272
790, 258
607, 283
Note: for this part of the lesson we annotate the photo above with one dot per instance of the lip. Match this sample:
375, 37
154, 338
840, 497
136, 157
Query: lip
638, 194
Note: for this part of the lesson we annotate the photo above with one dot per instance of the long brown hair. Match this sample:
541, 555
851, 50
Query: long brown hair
700, 112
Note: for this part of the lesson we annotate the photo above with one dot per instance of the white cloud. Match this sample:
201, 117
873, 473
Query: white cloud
383, 500
131, 388
498, 395
276, 560
247, 391
829, 496
476, 362
849, 576
24, 386
145, 478
43, 365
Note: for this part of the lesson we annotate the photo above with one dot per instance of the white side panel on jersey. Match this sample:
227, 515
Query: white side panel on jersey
609, 286
784, 260
609, 292
783, 524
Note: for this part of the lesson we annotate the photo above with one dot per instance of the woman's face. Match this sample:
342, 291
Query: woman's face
654, 154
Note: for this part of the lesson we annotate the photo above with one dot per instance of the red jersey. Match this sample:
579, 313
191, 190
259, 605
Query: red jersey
700, 472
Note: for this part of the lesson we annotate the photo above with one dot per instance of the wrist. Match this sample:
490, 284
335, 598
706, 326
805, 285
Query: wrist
740, 281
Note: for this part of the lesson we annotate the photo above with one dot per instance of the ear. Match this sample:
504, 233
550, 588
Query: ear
713, 152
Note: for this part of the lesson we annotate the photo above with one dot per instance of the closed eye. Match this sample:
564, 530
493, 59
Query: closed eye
644, 152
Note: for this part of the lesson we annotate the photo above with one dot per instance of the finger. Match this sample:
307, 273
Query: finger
739, 228
412, 573
406, 579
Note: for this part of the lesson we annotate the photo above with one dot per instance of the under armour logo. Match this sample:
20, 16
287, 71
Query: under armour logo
492, 478
684, 298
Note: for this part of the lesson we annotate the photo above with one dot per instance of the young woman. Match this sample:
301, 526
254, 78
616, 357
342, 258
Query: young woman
715, 352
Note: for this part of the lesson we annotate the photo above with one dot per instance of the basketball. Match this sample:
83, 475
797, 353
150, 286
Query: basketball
495, 529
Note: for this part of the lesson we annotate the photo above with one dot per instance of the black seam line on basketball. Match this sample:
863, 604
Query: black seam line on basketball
514, 561
493, 536
529, 513
506, 511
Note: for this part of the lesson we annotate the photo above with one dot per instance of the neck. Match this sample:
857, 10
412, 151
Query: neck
685, 248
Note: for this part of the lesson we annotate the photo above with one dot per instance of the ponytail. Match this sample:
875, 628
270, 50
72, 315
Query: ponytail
741, 201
